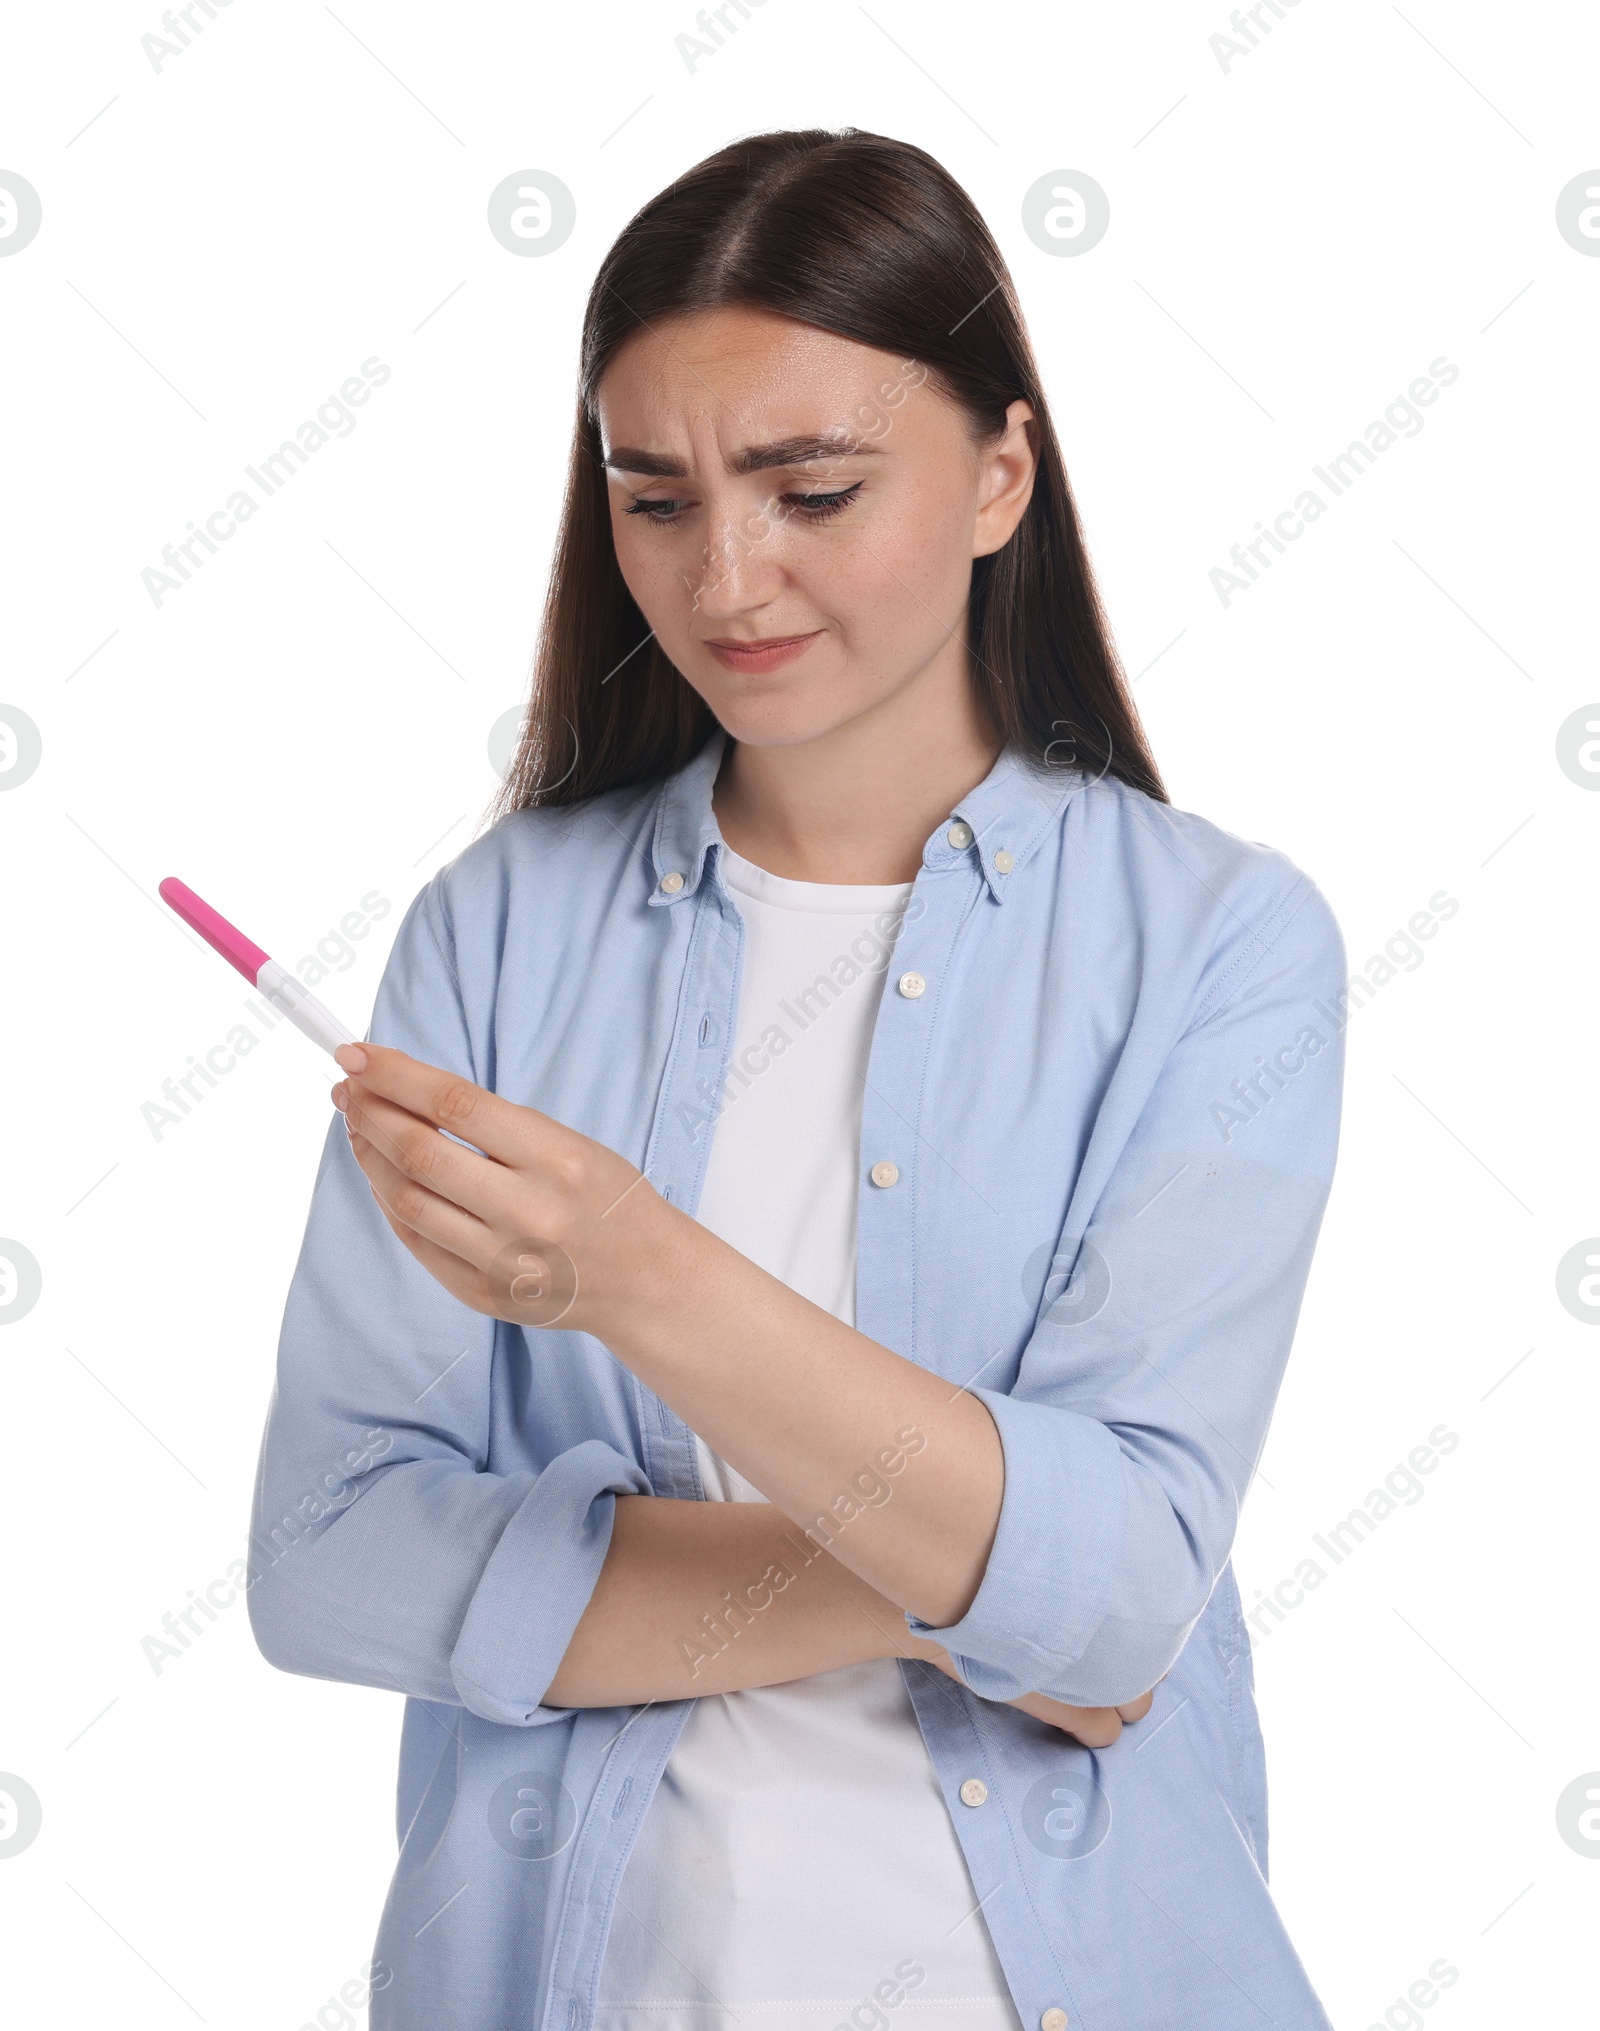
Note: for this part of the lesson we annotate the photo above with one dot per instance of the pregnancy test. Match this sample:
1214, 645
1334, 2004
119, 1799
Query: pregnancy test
273, 981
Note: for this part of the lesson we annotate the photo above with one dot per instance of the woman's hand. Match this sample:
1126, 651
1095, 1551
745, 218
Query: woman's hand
516, 1226
1094, 1727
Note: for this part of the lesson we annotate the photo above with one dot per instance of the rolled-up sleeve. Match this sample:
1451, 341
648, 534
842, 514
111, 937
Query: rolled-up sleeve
1143, 1396
383, 1550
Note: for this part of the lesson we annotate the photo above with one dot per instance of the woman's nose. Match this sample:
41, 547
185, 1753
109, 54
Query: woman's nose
741, 566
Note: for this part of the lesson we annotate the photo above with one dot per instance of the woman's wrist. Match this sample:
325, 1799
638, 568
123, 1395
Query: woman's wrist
652, 1270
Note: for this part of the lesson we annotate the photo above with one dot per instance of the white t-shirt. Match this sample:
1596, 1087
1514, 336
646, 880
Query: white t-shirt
798, 1853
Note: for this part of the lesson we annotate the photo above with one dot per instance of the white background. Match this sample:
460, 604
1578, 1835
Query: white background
1293, 240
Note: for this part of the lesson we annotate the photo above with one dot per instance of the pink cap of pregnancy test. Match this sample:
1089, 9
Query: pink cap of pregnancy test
218, 933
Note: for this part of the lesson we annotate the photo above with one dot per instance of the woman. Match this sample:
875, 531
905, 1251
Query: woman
796, 1412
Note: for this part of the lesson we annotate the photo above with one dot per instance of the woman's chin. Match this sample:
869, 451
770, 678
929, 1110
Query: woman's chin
769, 712
781, 729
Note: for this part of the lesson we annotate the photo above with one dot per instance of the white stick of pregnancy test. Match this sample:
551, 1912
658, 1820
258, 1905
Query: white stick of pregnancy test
275, 982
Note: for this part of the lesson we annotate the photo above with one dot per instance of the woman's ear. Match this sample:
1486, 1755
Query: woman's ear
1005, 481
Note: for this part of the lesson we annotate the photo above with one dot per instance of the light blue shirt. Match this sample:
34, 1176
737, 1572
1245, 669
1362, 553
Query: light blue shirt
1113, 1112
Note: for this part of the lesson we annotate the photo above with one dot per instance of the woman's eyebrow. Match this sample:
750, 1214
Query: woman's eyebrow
655, 465
787, 451
800, 451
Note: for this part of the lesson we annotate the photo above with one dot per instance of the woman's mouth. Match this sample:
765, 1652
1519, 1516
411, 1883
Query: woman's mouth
770, 652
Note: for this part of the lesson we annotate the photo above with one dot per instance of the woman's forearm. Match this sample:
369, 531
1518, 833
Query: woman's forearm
906, 1472
824, 1420
715, 1597
712, 1597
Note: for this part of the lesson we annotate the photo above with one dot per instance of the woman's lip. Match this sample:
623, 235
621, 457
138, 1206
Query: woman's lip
767, 654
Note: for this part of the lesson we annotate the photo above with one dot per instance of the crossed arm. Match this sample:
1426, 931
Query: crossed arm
642, 1636
816, 1407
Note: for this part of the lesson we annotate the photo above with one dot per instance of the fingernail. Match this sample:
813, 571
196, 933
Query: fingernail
351, 1057
341, 1096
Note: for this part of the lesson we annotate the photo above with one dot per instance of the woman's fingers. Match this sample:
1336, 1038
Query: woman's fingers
442, 1264
408, 1202
501, 1128
420, 1153
1094, 1727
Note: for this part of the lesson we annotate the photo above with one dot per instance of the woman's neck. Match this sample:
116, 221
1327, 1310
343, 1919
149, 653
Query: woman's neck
855, 804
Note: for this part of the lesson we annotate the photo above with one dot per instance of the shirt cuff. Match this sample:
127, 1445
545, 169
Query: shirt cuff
537, 1583
1046, 1590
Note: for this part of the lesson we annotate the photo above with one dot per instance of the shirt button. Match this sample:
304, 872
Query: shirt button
975, 1792
1053, 2020
671, 883
1003, 863
886, 1174
911, 985
959, 835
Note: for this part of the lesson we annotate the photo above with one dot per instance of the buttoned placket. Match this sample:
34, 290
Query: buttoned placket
702, 914
950, 886
958, 876
699, 1060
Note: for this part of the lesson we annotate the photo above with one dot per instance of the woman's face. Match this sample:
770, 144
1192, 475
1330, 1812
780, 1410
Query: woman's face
796, 516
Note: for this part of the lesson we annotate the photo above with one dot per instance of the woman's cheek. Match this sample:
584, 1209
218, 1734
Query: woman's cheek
898, 573
655, 577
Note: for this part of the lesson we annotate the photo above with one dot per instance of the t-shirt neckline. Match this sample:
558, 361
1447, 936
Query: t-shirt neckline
835, 898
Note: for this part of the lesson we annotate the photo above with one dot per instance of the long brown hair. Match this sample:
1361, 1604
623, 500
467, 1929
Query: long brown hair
871, 239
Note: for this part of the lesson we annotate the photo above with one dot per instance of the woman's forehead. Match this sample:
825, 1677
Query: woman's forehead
756, 389
736, 357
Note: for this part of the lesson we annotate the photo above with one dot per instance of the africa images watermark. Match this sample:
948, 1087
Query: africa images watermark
338, 1490
334, 418
693, 50
870, 2013
868, 955
1423, 1993
1402, 418
871, 422
1401, 1487
223, 1058
869, 1489
1228, 49
1402, 952
355, 1994
160, 49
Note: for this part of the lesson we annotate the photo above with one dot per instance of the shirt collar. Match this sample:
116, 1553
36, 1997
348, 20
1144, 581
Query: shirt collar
1007, 816
686, 826
1001, 822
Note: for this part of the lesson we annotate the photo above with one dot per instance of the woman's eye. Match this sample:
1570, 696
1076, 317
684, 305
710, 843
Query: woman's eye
817, 507
812, 507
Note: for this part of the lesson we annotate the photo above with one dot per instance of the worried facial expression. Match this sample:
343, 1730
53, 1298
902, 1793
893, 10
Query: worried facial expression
796, 515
